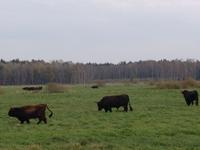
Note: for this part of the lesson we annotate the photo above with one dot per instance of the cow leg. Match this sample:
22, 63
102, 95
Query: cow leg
39, 121
105, 109
27, 121
110, 109
192, 102
188, 102
45, 120
21, 121
126, 108
196, 102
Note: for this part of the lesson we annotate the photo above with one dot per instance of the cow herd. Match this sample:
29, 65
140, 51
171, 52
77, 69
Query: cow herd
25, 113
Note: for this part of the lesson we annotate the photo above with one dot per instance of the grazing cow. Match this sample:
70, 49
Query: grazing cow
94, 87
32, 88
116, 101
25, 113
190, 96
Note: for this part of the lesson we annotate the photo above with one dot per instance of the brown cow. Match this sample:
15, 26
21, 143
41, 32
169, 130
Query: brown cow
25, 113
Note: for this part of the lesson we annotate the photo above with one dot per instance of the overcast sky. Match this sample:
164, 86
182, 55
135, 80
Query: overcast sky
99, 30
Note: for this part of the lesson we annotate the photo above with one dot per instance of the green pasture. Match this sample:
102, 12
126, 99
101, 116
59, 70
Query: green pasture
160, 120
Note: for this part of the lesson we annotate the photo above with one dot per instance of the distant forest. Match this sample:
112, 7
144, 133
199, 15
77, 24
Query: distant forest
18, 72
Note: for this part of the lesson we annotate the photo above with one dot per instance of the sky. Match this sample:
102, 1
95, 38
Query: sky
99, 30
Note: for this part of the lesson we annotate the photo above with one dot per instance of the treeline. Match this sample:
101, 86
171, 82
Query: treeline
18, 72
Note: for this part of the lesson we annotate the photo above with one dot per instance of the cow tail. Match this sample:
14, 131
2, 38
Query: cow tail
130, 107
50, 111
197, 100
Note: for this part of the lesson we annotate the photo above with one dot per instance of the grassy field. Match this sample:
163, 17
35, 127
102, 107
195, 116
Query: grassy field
160, 120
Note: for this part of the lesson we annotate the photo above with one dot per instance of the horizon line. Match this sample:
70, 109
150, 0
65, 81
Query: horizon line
92, 62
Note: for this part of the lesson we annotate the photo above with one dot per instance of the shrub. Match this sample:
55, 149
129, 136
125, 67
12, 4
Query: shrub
168, 85
100, 83
126, 82
172, 84
151, 83
190, 83
56, 88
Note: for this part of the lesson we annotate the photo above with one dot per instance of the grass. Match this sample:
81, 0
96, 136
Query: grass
160, 120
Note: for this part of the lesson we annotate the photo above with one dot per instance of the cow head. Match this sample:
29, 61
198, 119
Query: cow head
13, 112
183, 92
99, 105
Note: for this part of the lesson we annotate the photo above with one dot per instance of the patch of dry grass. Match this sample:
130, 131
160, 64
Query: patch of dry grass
34, 147
56, 88
168, 85
190, 83
100, 83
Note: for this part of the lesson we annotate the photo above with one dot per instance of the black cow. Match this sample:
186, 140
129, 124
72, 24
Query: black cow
25, 113
190, 97
32, 88
94, 86
116, 101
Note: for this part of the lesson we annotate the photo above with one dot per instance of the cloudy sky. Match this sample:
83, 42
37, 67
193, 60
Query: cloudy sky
99, 30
